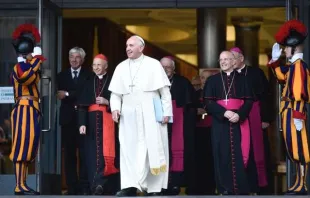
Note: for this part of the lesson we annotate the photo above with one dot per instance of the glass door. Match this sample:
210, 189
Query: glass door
46, 168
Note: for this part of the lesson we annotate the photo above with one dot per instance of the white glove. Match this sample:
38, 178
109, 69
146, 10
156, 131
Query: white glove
298, 124
21, 59
36, 51
276, 52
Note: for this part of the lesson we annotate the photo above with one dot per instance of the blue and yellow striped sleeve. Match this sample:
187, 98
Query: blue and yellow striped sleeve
299, 85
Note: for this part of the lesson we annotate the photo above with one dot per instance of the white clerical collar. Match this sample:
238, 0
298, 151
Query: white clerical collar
296, 57
239, 70
101, 76
227, 73
137, 59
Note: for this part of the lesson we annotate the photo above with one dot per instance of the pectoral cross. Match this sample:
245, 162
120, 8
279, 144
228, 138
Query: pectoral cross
131, 87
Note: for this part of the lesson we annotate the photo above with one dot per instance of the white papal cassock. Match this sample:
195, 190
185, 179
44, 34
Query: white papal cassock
143, 140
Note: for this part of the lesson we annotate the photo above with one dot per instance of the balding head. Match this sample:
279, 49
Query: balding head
227, 61
134, 47
168, 65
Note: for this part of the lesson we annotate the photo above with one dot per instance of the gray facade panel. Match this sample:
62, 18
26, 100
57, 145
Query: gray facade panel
229, 3
32, 4
116, 3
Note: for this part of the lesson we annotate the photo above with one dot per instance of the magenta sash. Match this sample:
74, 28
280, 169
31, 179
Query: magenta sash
177, 139
258, 143
235, 104
206, 122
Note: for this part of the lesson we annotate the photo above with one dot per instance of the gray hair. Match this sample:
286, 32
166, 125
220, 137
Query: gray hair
172, 61
78, 50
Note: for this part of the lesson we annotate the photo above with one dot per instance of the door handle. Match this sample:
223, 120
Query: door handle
49, 103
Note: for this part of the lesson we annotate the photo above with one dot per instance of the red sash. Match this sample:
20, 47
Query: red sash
177, 139
108, 139
234, 104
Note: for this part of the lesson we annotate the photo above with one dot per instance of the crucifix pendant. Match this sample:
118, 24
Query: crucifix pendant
131, 86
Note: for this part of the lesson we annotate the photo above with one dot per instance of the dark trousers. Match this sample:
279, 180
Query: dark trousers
205, 182
71, 141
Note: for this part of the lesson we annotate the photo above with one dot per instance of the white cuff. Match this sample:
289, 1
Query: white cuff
21, 59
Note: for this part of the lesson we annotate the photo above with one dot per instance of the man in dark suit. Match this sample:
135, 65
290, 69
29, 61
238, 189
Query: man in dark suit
69, 83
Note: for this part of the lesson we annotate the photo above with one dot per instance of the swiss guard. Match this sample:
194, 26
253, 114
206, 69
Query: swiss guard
295, 95
26, 112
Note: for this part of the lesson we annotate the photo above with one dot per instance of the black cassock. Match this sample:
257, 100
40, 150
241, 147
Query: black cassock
96, 161
231, 175
183, 94
205, 183
255, 77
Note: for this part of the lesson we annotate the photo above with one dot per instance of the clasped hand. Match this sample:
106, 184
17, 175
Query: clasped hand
102, 100
232, 116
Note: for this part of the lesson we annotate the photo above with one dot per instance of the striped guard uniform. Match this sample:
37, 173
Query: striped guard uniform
25, 118
295, 95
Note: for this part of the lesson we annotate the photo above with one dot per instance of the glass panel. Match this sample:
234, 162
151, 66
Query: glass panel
7, 62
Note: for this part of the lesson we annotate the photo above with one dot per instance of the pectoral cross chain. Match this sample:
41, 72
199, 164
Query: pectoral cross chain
131, 87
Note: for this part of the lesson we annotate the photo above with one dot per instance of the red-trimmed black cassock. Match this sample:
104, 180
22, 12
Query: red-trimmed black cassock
181, 136
230, 141
101, 142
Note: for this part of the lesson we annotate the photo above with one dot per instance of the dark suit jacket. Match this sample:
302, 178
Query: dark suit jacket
65, 83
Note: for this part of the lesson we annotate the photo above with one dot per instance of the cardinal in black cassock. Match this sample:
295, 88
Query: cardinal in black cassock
95, 121
181, 132
229, 101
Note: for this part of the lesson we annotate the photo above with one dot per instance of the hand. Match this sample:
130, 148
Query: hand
36, 51
228, 114
298, 124
201, 111
83, 130
234, 118
115, 115
165, 119
276, 52
61, 94
102, 100
265, 125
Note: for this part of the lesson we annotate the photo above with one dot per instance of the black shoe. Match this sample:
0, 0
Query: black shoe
127, 192
98, 190
302, 192
228, 193
154, 194
172, 191
30, 192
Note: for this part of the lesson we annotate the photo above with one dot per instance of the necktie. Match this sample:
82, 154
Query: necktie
75, 78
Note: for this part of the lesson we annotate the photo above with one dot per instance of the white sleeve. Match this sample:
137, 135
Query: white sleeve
116, 102
166, 101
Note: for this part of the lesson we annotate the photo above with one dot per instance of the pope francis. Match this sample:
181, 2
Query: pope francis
136, 83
